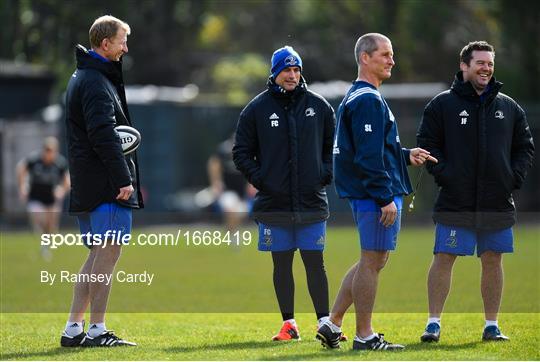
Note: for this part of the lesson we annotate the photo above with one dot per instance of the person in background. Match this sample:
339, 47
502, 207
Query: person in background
43, 181
232, 194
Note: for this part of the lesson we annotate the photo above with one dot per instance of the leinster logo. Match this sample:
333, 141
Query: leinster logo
499, 115
290, 60
310, 112
451, 241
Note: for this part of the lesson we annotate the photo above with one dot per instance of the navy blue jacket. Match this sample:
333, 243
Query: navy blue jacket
283, 146
484, 147
368, 158
95, 104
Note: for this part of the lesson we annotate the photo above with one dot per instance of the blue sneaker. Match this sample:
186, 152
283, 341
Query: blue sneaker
493, 333
432, 333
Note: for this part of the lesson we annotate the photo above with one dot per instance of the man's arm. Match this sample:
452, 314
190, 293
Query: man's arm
328, 144
22, 179
61, 189
522, 149
99, 114
245, 148
430, 136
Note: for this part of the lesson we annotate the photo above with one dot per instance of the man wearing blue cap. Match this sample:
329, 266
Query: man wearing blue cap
283, 146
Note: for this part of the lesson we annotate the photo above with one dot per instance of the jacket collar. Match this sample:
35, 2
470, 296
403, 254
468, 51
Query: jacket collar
279, 92
466, 90
112, 69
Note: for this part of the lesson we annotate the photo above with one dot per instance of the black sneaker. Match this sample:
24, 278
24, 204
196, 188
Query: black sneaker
329, 339
493, 333
72, 341
69, 341
376, 343
106, 339
432, 333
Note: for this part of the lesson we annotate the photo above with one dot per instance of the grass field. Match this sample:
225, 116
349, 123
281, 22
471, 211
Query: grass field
217, 303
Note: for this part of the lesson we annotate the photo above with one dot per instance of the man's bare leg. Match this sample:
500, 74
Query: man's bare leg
104, 263
491, 283
364, 288
439, 281
344, 298
81, 291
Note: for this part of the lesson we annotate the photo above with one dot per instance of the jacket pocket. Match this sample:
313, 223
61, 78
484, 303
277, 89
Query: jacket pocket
442, 176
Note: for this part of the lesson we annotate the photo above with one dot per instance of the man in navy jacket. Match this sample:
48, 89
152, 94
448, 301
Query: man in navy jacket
485, 148
371, 172
104, 183
283, 146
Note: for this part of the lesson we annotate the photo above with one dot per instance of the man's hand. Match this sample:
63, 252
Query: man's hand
419, 156
125, 193
389, 214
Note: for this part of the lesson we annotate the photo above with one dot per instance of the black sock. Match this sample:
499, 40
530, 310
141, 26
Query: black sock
284, 282
316, 280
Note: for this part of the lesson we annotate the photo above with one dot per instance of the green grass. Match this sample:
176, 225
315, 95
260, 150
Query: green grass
193, 309
200, 336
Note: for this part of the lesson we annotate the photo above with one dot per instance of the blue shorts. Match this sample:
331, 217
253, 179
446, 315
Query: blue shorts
373, 234
462, 241
108, 220
292, 237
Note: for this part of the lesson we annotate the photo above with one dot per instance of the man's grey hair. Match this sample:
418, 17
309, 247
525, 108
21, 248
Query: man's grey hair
368, 43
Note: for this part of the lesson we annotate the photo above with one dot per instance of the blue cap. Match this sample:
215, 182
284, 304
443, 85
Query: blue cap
283, 58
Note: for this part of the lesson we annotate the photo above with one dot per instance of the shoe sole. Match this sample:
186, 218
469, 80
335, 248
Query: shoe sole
70, 343
379, 350
113, 346
324, 341
429, 339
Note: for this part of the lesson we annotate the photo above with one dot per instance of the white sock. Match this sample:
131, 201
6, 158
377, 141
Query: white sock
491, 323
74, 328
96, 329
323, 320
291, 321
333, 327
358, 338
434, 320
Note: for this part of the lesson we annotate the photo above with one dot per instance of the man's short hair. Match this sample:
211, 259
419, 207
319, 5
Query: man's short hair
466, 53
367, 43
105, 27
50, 143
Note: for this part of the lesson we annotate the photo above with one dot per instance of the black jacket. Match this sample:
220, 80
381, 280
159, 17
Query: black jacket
95, 104
283, 146
484, 147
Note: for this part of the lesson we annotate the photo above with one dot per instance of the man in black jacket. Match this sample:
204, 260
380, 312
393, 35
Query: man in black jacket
484, 146
105, 183
283, 147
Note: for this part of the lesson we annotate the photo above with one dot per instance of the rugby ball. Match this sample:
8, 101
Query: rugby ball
130, 138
